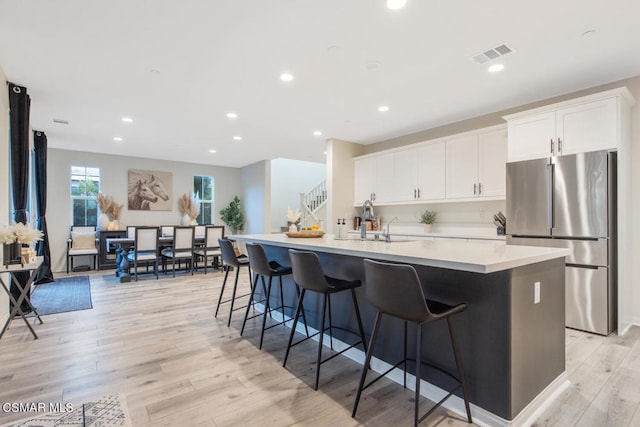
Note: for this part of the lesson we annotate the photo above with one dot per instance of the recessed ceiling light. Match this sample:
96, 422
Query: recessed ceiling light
396, 4
286, 77
117, 139
237, 138
232, 115
325, 153
127, 119
495, 68
317, 133
383, 108
212, 151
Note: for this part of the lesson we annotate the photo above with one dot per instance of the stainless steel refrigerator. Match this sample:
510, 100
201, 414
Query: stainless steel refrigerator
570, 201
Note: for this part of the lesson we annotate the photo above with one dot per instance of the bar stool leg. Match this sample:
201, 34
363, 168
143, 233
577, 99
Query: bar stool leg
418, 375
367, 362
405, 354
463, 379
359, 319
266, 309
293, 328
251, 302
281, 299
330, 324
233, 295
224, 283
324, 312
304, 317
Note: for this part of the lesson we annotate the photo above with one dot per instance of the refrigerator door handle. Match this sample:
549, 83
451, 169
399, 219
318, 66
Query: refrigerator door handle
550, 185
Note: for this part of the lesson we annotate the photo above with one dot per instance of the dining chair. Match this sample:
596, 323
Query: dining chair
82, 242
211, 246
181, 249
145, 249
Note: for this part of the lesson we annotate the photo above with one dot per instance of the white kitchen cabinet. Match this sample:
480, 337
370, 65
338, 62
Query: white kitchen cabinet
374, 179
585, 124
476, 165
419, 173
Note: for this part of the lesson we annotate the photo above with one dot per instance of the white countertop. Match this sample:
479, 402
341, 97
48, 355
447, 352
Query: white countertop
449, 234
463, 255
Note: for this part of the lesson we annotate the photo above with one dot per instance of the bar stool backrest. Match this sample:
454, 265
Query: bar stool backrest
395, 289
228, 252
307, 271
183, 238
146, 239
258, 260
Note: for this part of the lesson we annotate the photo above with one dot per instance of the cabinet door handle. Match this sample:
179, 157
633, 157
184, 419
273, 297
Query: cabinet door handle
415, 194
551, 140
474, 189
418, 193
559, 146
479, 188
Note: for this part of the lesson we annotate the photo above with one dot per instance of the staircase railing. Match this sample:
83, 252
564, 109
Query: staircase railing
311, 201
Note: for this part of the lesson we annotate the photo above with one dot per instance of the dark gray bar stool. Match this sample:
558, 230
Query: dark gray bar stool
308, 274
230, 260
262, 268
395, 290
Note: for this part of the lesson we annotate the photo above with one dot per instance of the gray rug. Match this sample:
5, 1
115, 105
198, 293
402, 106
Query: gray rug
64, 294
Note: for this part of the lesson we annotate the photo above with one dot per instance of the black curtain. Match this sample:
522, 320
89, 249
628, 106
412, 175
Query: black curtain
19, 104
45, 275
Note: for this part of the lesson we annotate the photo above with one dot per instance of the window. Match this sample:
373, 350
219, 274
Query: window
85, 185
203, 189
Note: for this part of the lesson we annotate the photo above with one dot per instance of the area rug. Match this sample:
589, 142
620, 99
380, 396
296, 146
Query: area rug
64, 294
110, 411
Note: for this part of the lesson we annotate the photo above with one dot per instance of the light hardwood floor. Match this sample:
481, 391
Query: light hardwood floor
157, 342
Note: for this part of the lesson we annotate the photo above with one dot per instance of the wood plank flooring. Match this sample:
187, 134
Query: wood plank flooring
157, 342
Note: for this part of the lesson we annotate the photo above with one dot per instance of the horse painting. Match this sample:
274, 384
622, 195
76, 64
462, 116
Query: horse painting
140, 197
149, 190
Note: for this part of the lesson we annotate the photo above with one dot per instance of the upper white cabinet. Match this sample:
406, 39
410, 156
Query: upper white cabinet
374, 178
419, 173
585, 124
476, 165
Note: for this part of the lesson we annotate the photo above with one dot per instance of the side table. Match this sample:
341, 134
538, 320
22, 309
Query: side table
12, 269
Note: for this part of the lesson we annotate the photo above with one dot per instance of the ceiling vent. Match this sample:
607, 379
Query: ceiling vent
492, 54
60, 121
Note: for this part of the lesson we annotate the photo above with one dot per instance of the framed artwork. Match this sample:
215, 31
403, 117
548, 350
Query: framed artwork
150, 190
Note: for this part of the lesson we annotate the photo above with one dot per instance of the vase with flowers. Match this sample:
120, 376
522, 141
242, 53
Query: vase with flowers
13, 238
109, 220
293, 219
189, 206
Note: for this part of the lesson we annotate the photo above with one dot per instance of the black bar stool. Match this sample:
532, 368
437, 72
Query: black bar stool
308, 274
230, 260
395, 290
262, 267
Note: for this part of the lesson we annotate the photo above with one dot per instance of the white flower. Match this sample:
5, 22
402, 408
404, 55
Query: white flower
293, 217
25, 234
7, 235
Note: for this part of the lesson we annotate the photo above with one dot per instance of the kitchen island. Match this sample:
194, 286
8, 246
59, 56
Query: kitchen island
511, 336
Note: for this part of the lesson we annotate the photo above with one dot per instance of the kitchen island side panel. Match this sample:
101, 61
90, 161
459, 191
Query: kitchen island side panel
508, 351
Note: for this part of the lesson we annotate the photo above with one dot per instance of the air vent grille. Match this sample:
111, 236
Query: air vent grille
492, 54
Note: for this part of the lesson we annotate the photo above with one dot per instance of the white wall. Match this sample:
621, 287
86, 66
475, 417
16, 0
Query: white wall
340, 180
113, 177
289, 178
256, 199
4, 180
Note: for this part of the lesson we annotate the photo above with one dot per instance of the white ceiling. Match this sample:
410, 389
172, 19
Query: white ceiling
178, 67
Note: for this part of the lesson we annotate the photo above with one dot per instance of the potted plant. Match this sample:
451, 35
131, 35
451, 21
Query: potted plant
428, 218
232, 216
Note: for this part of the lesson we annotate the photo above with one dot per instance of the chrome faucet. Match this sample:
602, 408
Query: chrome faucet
367, 213
387, 236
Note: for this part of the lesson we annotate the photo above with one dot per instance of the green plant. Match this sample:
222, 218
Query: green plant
232, 216
428, 217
